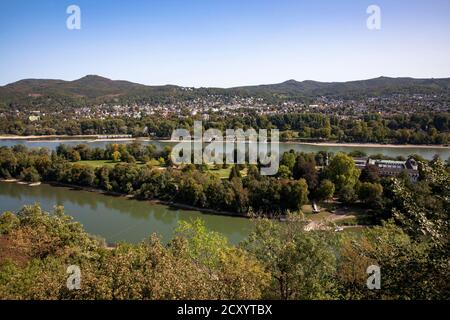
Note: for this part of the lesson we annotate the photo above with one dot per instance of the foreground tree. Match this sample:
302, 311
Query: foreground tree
36, 247
422, 210
302, 263
409, 269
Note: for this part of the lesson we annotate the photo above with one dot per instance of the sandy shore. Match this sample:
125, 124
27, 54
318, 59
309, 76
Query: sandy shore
57, 138
329, 144
83, 140
31, 184
369, 145
116, 139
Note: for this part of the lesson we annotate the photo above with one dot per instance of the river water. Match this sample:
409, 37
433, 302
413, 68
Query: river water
393, 151
117, 218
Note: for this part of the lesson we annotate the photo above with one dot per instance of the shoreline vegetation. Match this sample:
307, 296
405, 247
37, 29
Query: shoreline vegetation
171, 204
314, 223
100, 138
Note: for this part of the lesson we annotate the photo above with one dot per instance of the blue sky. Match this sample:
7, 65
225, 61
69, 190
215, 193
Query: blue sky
224, 43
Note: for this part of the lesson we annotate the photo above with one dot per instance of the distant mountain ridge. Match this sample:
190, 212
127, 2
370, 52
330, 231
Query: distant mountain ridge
93, 87
90, 86
371, 86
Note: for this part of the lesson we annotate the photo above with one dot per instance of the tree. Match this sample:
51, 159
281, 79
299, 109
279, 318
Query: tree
203, 245
409, 270
305, 167
87, 176
422, 209
240, 196
370, 193
102, 178
370, 173
325, 191
62, 150
284, 172
294, 194
126, 157
240, 274
288, 159
30, 174
342, 172
234, 173
253, 172
136, 150
116, 156
73, 156
196, 264
191, 192
302, 264
84, 151
8, 162
357, 154
265, 195
347, 194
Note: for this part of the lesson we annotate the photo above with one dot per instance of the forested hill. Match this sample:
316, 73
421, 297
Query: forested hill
95, 89
89, 88
371, 87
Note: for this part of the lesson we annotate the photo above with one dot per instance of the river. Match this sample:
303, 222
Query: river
117, 218
426, 152
121, 219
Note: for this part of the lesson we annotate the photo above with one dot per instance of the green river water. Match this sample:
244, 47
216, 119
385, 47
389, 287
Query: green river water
117, 218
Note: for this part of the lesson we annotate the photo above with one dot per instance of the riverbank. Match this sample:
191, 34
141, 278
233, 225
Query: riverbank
182, 206
31, 184
369, 145
111, 216
50, 138
171, 204
118, 218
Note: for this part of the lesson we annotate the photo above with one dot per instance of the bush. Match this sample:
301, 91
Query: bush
30, 174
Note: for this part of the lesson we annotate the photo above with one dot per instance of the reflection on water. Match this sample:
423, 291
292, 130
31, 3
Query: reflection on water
116, 218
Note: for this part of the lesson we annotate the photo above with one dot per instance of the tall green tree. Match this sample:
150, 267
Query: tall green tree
302, 263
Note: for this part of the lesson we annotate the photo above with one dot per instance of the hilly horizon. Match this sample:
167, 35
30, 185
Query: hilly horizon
94, 87
94, 77
90, 86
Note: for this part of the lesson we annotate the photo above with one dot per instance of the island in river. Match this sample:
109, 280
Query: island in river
117, 218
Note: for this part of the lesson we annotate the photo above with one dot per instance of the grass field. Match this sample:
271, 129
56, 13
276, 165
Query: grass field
101, 163
221, 173
225, 173
98, 163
